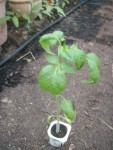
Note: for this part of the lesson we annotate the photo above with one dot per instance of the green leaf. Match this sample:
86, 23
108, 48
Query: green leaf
60, 11
49, 119
9, 13
17, 11
37, 7
47, 41
93, 67
47, 13
94, 58
60, 50
49, 8
78, 56
26, 17
66, 67
59, 35
40, 16
68, 120
68, 109
63, 4
15, 21
87, 81
67, 1
52, 59
4, 19
63, 51
52, 79
51, 39
94, 73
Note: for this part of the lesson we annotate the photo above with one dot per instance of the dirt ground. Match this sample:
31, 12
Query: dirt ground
24, 107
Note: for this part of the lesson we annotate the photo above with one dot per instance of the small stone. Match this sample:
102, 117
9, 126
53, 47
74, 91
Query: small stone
71, 147
84, 45
16, 72
9, 101
28, 60
18, 148
5, 100
25, 32
9, 133
91, 44
43, 147
11, 74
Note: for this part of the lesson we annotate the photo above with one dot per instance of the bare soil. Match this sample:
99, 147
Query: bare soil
24, 107
62, 131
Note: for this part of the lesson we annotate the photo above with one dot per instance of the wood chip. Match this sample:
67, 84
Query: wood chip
71, 147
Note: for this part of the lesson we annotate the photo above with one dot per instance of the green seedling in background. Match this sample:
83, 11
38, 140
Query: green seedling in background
11, 16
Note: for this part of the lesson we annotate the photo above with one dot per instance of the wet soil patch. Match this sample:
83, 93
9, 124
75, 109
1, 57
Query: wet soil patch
62, 132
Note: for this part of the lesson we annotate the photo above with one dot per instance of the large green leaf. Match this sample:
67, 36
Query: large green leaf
47, 41
68, 109
59, 35
73, 54
78, 56
93, 67
63, 51
52, 59
66, 67
94, 58
4, 19
52, 79
51, 39
15, 21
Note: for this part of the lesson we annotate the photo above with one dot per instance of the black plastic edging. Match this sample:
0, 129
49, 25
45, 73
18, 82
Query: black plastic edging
39, 33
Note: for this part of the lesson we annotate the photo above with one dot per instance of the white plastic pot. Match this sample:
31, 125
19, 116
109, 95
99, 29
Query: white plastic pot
55, 141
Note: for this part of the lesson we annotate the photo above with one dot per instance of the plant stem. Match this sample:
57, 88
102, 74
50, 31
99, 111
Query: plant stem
58, 115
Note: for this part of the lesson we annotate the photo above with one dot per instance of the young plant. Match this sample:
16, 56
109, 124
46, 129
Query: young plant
67, 59
11, 16
33, 13
46, 9
50, 6
64, 2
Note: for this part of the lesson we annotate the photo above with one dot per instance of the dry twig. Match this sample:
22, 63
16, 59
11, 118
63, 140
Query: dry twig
26, 55
105, 123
